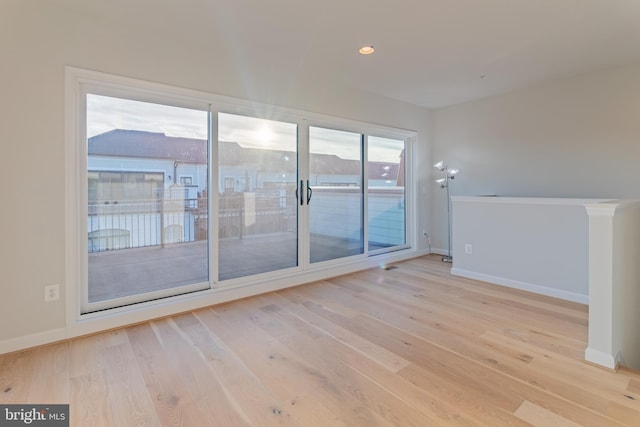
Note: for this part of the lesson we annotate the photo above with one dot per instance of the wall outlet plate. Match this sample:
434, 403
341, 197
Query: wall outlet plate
51, 293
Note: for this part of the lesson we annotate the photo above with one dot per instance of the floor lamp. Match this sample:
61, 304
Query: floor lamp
447, 175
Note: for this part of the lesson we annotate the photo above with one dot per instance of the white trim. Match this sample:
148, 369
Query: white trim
32, 340
524, 286
410, 191
610, 207
526, 200
364, 185
302, 211
625, 204
600, 358
440, 251
72, 165
601, 209
213, 196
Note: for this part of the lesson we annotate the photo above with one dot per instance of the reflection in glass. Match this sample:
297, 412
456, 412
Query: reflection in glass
386, 193
146, 225
258, 216
335, 210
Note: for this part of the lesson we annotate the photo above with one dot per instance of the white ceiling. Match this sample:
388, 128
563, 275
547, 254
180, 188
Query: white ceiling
431, 53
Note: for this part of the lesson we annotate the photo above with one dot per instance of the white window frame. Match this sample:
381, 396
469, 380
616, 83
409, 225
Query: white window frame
78, 80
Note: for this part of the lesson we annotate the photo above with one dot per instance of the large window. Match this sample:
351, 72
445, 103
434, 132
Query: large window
177, 194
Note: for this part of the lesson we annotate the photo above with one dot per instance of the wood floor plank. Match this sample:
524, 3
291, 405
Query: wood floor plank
317, 400
634, 386
502, 391
301, 337
421, 354
194, 373
89, 394
560, 366
488, 307
167, 379
422, 400
412, 345
84, 355
623, 413
51, 367
17, 376
377, 354
128, 398
538, 416
252, 399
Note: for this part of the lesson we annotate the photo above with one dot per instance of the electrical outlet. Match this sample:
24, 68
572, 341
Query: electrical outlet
468, 249
51, 293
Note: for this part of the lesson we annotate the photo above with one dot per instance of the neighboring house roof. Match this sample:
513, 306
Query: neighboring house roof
152, 145
148, 145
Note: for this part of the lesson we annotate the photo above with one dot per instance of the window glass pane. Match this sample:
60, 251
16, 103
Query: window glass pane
335, 209
147, 229
258, 222
386, 192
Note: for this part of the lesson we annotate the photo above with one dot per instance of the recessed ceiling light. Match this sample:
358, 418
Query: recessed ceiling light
366, 50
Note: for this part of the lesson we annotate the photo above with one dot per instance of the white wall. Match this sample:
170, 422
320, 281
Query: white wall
577, 137
536, 244
37, 39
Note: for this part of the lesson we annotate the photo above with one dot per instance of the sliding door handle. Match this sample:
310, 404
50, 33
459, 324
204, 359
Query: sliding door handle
301, 190
309, 192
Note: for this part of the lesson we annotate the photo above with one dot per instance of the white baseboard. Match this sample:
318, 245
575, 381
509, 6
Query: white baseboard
601, 358
524, 286
439, 251
32, 340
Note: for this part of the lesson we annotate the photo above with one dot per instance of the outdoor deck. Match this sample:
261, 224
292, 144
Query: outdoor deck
124, 272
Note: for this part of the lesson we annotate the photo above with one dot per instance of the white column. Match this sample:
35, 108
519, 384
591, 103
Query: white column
603, 348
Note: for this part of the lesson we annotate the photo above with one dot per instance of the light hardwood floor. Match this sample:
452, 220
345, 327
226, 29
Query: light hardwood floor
410, 346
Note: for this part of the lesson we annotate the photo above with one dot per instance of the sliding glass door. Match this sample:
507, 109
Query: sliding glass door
147, 209
386, 197
177, 195
336, 205
257, 213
